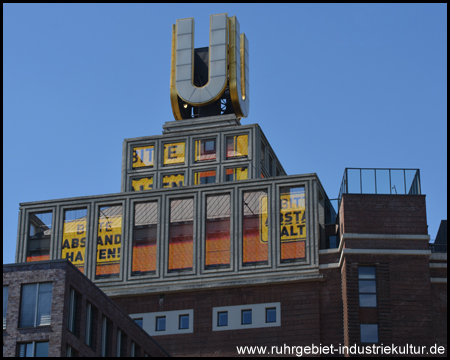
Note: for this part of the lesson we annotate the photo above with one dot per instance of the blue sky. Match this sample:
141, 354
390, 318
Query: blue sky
332, 86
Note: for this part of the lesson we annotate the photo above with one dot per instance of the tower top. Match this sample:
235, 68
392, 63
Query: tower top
212, 80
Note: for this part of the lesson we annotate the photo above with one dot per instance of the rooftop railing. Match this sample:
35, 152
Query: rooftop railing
380, 181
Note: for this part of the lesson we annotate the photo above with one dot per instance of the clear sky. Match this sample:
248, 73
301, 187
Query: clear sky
332, 86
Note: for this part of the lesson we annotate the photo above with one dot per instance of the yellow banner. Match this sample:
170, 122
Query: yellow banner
237, 146
263, 219
142, 184
109, 240
174, 153
74, 242
143, 156
292, 217
171, 181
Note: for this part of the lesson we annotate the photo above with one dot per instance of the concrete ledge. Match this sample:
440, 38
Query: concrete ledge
382, 252
438, 256
438, 265
329, 266
384, 237
439, 280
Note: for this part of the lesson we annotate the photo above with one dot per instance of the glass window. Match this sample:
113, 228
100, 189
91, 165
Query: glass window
255, 227
222, 318
181, 232
369, 333
144, 238
246, 317
237, 146
217, 252
237, 173
271, 315
109, 241
74, 237
184, 322
72, 323
32, 349
205, 177
140, 322
91, 325
142, 184
270, 165
39, 236
205, 150
292, 223
367, 286
106, 334
5, 305
263, 153
143, 156
174, 153
173, 181
161, 323
35, 305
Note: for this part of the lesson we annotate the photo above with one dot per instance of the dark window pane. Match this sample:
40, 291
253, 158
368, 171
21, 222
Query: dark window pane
246, 317
184, 322
367, 300
367, 286
140, 322
271, 315
28, 305
41, 349
369, 333
366, 272
222, 318
161, 323
39, 236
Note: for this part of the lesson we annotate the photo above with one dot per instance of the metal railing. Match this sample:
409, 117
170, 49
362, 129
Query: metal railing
380, 181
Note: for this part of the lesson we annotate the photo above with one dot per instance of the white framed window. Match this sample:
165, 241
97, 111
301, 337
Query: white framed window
167, 322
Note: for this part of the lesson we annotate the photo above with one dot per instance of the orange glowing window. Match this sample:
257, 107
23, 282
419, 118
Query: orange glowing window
236, 174
109, 241
255, 227
144, 238
292, 223
40, 233
217, 249
205, 177
181, 234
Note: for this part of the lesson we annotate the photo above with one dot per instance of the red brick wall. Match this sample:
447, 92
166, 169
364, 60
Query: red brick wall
383, 214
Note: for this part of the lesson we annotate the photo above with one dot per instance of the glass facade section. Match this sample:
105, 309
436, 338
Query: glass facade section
292, 223
205, 177
142, 184
143, 156
144, 238
271, 315
109, 241
35, 305
218, 209
237, 146
39, 236
222, 318
173, 181
235, 174
181, 232
255, 227
205, 150
74, 237
183, 322
174, 153
246, 317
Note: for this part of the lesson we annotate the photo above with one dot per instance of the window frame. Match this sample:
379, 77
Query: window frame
243, 312
36, 305
372, 280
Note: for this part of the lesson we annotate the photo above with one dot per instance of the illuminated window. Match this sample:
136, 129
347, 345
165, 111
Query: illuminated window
235, 174
237, 146
109, 241
246, 317
35, 305
292, 223
367, 286
205, 177
369, 333
255, 227
173, 181
143, 156
142, 184
144, 238
174, 153
39, 236
217, 231
181, 231
205, 150
74, 237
